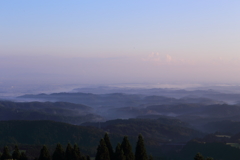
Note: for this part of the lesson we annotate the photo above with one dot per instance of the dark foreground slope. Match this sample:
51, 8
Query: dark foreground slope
31, 135
47, 132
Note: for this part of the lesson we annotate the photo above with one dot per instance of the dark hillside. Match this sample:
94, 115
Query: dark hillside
219, 151
47, 132
155, 132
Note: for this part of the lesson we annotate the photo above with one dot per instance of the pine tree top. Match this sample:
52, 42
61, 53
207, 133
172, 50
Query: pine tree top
140, 153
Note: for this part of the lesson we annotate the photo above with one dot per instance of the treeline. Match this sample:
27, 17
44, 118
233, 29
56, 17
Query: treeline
123, 151
71, 153
16, 154
105, 151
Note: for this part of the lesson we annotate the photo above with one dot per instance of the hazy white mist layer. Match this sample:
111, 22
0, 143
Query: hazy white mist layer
149, 68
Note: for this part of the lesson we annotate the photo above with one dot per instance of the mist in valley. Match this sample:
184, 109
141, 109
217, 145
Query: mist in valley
71, 71
196, 105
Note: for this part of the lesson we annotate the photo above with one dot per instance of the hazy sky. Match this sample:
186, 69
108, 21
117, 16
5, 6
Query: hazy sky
154, 41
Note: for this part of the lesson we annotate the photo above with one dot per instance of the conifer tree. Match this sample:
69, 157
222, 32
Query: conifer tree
127, 149
109, 146
140, 152
23, 156
44, 154
5, 153
76, 152
119, 154
102, 151
69, 152
16, 153
88, 157
58, 154
198, 156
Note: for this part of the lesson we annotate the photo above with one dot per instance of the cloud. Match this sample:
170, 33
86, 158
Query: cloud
168, 58
152, 57
162, 59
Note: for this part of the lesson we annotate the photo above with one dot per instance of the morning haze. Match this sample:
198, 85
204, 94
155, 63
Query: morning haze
158, 42
107, 74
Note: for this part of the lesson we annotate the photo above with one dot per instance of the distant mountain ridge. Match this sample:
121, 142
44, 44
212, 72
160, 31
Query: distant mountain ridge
57, 111
116, 99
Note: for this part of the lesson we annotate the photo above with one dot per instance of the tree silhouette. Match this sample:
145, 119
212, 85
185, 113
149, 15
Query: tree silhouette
102, 151
23, 156
140, 153
127, 149
5, 154
44, 154
58, 154
109, 146
16, 153
198, 156
119, 154
76, 152
69, 152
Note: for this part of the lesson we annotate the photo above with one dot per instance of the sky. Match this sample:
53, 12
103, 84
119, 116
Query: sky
107, 42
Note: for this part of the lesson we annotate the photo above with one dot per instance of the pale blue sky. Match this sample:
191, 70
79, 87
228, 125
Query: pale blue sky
141, 41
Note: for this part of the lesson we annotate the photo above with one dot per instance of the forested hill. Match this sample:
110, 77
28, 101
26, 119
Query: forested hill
87, 137
56, 111
155, 131
47, 132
